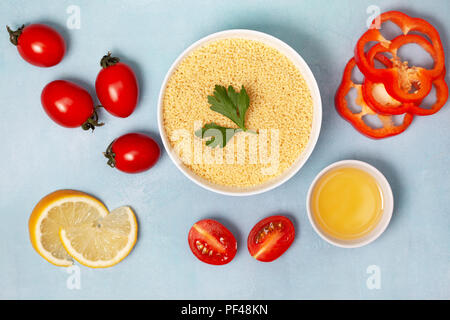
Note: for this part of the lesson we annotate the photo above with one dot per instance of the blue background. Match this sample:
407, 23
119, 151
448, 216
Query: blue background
38, 157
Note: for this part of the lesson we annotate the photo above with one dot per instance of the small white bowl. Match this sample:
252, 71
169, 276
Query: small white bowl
387, 198
298, 61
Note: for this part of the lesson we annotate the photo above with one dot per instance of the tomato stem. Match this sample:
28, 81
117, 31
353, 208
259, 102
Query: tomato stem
108, 61
14, 35
110, 155
92, 121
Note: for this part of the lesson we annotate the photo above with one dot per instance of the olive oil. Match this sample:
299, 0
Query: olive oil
347, 203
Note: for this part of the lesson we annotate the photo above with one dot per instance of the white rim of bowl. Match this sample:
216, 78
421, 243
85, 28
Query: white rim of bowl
388, 204
306, 72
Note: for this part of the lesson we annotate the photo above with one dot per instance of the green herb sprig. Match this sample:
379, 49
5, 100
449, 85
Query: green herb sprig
230, 104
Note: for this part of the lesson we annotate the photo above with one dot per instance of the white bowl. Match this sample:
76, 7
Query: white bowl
387, 198
298, 61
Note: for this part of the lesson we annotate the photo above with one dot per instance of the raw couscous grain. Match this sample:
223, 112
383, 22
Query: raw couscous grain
279, 99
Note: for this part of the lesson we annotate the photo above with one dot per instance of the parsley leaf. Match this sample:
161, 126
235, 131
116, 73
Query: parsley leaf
232, 105
219, 136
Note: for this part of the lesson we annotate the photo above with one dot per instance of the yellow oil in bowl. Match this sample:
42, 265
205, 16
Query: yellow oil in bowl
347, 203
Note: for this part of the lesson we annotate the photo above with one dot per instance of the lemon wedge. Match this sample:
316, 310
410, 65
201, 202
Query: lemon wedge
103, 242
57, 210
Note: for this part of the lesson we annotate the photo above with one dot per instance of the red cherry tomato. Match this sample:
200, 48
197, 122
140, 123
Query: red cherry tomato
133, 153
39, 44
270, 238
211, 242
69, 105
117, 87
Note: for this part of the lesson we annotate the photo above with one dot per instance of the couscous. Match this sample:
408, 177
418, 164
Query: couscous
281, 111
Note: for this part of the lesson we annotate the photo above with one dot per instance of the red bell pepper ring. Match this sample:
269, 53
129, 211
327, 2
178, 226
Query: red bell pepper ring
393, 106
394, 78
356, 119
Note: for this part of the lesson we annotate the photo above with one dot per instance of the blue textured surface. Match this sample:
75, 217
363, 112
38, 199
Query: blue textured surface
38, 157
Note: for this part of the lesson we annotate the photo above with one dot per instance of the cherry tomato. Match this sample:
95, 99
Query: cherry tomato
117, 87
211, 242
270, 238
69, 105
133, 153
39, 44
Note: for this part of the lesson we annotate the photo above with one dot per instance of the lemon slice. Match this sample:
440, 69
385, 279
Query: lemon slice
57, 210
103, 242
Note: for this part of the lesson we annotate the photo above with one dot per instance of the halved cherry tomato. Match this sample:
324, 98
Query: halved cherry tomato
270, 238
133, 153
117, 87
211, 242
69, 105
38, 44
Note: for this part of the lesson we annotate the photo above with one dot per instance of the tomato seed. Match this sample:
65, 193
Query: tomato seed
265, 231
199, 245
